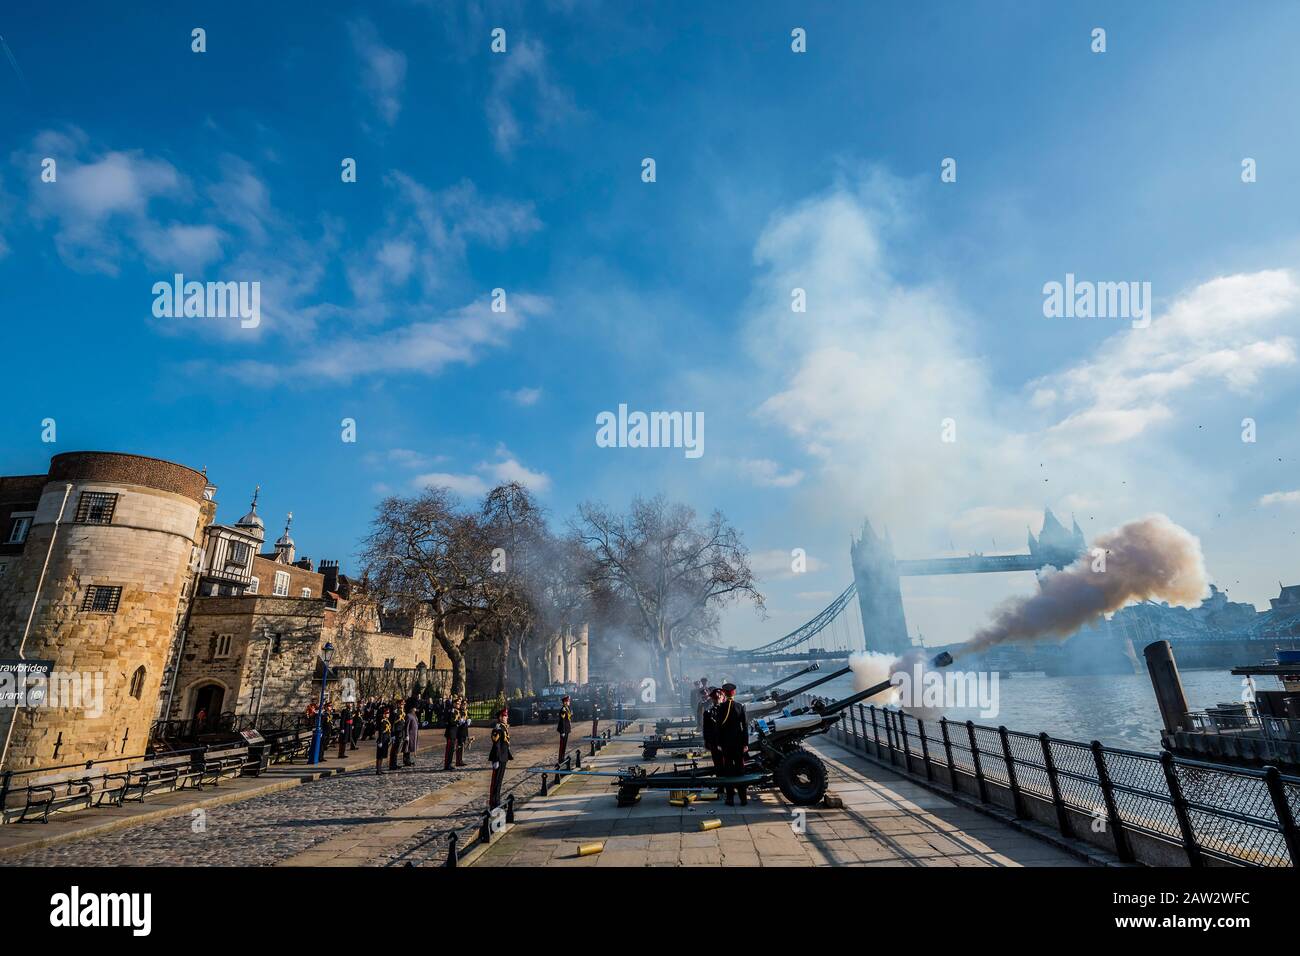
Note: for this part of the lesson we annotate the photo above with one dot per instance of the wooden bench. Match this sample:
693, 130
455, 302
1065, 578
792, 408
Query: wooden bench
288, 746
80, 787
150, 776
216, 764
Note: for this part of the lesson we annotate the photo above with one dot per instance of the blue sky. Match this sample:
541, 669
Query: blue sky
774, 170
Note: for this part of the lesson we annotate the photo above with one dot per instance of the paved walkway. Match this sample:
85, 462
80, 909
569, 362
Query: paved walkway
886, 821
289, 815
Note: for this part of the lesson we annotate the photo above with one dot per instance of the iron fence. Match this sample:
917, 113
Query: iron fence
1257, 725
228, 722
1216, 812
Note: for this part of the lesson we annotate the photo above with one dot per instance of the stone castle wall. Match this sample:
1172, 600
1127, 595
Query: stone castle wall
147, 550
282, 638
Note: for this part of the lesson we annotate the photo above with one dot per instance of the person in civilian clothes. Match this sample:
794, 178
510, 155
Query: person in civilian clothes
733, 739
412, 736
564, 727
462, 731
383, 739
498, 757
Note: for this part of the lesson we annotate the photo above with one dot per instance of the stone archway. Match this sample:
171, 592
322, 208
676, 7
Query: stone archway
207, 698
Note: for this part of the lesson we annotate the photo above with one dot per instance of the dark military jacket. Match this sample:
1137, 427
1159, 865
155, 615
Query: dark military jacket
709, 726
565, 726
733, 726
500, 752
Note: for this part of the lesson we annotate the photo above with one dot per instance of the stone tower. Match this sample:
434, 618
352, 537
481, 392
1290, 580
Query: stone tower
880, 599
121, 562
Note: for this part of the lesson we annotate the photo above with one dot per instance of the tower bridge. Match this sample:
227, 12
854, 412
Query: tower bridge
875, 621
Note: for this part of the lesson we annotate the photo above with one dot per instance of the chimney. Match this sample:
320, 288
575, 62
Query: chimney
330, 569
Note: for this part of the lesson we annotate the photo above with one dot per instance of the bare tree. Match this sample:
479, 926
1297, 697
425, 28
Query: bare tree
424, 556
673, 569
515, 526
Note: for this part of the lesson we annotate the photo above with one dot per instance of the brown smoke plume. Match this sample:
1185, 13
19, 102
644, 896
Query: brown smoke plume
1148, 558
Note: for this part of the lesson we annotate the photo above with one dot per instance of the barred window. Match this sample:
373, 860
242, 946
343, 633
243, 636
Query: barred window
223, 645
96, 507
101, 597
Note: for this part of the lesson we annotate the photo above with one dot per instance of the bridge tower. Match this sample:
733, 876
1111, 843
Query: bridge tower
884, 627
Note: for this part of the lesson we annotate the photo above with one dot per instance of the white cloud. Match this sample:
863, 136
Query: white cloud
525, 396
191, 248
768, 474
522, 83
865, 378
383, 70
470, 486
487, 475
425, 238
419, 348
1225, 332
101, 201
775, 563
511, 470
1281, 498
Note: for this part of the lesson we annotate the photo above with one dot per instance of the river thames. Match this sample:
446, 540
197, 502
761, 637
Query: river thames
1117, 709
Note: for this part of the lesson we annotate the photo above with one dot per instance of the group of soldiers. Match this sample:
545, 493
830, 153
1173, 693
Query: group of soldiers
725, 728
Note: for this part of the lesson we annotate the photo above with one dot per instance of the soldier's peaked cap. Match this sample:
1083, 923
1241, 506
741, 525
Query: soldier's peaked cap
729, 687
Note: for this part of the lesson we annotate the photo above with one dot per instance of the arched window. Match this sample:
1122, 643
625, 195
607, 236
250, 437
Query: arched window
137, 682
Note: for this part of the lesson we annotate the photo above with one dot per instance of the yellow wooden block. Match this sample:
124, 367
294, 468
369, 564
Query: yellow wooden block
588, 849
710, 824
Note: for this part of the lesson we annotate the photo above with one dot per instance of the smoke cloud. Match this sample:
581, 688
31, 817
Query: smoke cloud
1148, 558
871, 668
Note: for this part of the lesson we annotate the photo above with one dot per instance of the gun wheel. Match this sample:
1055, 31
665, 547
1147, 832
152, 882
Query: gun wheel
801, 778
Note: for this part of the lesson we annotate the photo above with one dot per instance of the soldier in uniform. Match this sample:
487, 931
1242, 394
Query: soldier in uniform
709, 727
733, 740
462, 730
564, 727
383, 739
449, 731
498, 757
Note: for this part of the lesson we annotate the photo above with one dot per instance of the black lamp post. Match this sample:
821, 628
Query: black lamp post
316, 737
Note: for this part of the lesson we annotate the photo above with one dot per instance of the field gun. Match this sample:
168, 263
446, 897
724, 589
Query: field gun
761, 693
778, 701
776, 757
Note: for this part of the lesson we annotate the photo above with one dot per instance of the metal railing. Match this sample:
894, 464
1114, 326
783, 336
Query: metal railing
479, 828
1215, 812
228, 722
1270, 728
16, 781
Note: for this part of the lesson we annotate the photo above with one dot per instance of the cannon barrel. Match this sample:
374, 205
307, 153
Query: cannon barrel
814, 666
791, 694
835, 706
